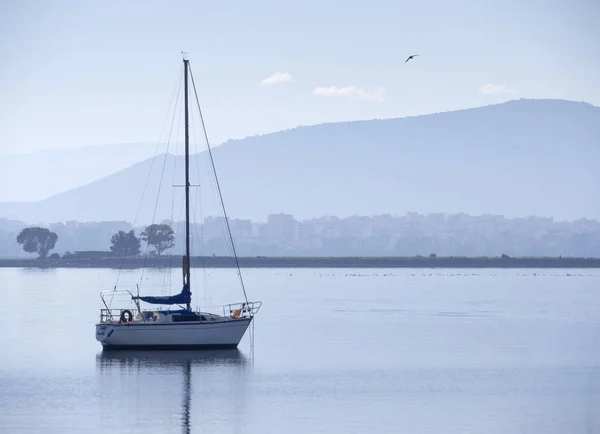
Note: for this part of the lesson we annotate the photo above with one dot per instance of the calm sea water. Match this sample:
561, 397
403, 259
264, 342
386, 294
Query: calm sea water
337, 351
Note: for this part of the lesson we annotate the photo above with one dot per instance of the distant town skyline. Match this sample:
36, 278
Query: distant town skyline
379, 235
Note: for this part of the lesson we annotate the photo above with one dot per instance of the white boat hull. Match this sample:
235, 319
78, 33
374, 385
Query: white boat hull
172, 335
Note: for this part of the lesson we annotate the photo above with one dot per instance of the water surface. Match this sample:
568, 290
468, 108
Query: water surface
337, 351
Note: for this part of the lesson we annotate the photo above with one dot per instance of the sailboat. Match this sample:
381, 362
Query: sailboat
181, 328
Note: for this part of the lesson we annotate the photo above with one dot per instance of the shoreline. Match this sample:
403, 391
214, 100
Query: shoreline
305, 262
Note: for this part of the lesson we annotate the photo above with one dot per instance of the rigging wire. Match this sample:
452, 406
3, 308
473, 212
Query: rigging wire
219, 189
199, 227
174, 94
175, 234
168, 271
160, 183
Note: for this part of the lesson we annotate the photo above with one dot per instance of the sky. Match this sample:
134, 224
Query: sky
77, 73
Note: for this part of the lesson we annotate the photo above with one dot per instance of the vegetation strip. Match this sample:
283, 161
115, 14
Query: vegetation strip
106, 260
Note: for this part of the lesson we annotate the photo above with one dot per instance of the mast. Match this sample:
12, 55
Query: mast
186, 263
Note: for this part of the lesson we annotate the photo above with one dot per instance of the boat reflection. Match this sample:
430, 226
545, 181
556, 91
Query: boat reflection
158, 359
154, 362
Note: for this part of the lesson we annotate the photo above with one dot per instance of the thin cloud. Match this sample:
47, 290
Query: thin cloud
277, 78
494, 89
351, 92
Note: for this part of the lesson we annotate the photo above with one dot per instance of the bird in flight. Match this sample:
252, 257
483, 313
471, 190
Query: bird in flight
410, 57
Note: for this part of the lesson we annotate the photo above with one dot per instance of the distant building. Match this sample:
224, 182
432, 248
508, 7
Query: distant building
281, 228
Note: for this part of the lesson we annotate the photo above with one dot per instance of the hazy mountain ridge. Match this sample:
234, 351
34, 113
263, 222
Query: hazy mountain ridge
523, 157
57, 170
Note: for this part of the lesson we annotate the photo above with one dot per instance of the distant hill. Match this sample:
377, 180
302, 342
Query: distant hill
518, 158
42, 174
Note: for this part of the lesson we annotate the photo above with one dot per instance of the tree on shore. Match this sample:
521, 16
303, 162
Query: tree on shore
160, 236
125, 243
37, 240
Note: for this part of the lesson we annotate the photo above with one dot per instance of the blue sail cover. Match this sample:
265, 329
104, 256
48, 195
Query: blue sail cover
184, 297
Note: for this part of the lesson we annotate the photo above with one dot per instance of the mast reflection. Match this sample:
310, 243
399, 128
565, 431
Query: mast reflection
148, 361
